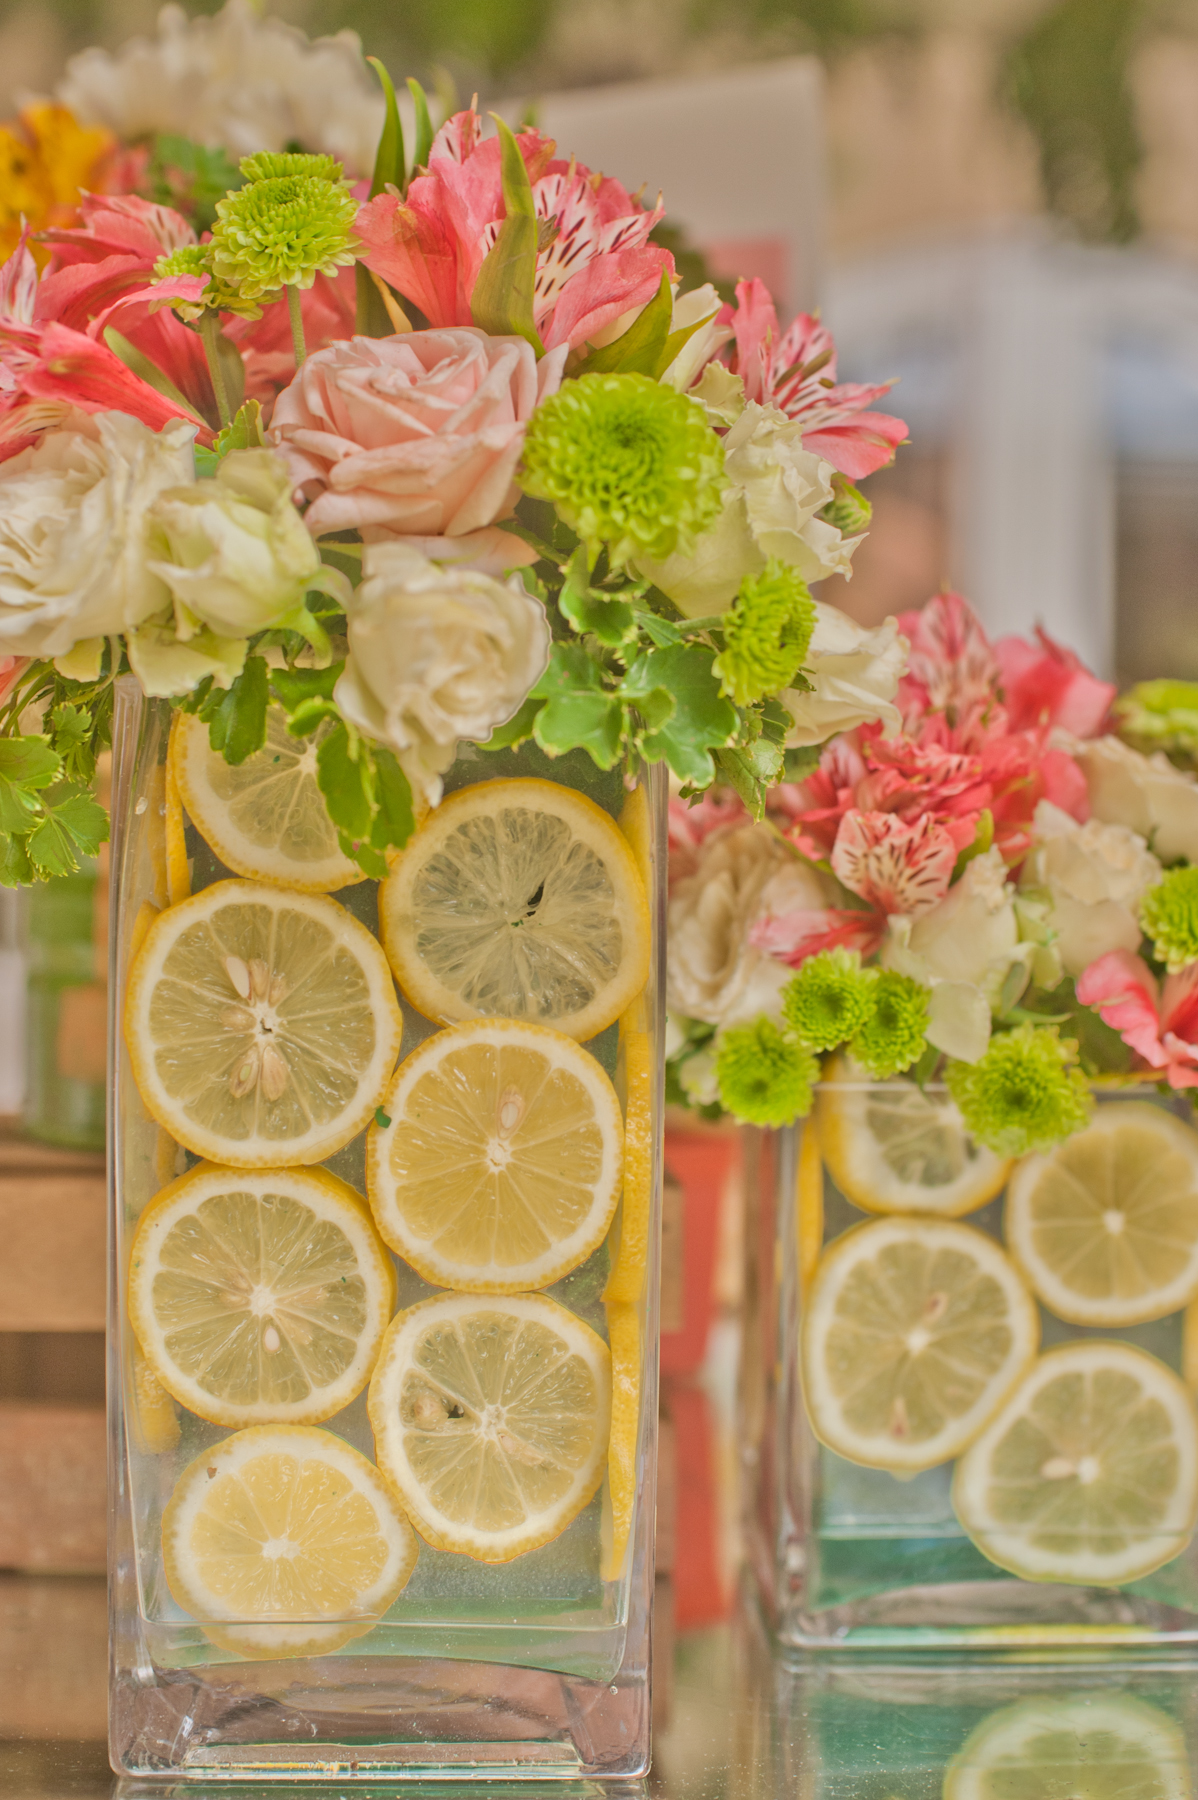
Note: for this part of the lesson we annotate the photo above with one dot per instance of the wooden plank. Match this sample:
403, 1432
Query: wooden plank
53, 1514
53, 1651
52, 1227
20, 1155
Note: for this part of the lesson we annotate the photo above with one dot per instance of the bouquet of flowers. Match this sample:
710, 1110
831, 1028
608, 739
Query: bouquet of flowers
427, 452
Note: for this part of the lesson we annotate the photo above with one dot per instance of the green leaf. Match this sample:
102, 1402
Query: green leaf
52, 848
389, 162
20, 809
580, 713
85, 820
775, 720
502, 301
518, 729
659, 631
983, 837
309, 714
72, 728
751, 771
292, 687
237, 722
344, 777
612, 621
424, 126
244, 432
639, 350
798, 764
394, 821
16, 870
702, 718
29, 761
140, 364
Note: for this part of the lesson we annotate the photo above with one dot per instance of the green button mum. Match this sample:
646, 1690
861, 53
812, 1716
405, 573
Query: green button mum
1169, 915
283, 232
764, 1078
630, 465
767, 633
1026, 1093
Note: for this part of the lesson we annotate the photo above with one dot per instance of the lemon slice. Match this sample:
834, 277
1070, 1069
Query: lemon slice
1098, 1746
265, 817
809, 1206
518, 900
500, 1168
893, 1147
178, 865
152, 1415
491, 1419
627, 1279
915, 1332
1105, 1225
262, 1025
278, 1530
624, 1338
260, 1297
1090, 1471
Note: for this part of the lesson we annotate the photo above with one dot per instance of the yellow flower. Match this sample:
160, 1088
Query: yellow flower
46, 158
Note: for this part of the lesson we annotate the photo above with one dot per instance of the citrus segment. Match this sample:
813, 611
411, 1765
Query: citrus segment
262, 1025
809, 1205
500, 1168
265, 817
260, 1296
1089, 1473
491, 1419
627, 1279
521, 900
915, 1332
1098, 1746
152, 1413
1105, 1225
624, 1338
895, 1147
178, 869
291, 1536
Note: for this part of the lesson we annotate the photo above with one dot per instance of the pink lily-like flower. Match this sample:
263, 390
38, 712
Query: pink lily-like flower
1045, 684
594, 262
795, 370
951, 666
1159, 1022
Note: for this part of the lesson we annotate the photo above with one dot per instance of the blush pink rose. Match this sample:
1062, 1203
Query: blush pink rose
414, 436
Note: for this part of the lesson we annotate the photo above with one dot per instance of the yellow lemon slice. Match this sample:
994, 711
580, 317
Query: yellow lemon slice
627, 1279
518, 900
262, 1025
893, 1147
152, 1416
260, 1297
1089, 1473
500, 1168
289, 1534
809, 1205
624, 1338
1097, 1746
178, 866
491, 1419
915, 1332
1105, 1225
266, 817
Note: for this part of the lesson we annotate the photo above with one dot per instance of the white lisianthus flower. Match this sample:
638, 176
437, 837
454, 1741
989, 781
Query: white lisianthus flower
774, 493
854, 675
1147, 794
436, 655
74, 531
1094, 876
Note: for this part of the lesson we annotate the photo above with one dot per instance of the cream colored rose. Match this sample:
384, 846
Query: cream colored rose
854, 674
962, 949
1094, 876
775, 490
1147, 794
436, 655
74, 513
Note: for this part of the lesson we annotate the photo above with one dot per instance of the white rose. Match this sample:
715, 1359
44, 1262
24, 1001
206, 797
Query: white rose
775, 489
1094, 875
962, 949
435, 655
854, 674
74, 513
1147, 794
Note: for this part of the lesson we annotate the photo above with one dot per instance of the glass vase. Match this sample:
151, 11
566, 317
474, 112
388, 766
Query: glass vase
862, 1537
533, 1665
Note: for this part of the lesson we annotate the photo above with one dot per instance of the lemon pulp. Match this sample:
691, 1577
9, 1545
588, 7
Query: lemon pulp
1102, 1745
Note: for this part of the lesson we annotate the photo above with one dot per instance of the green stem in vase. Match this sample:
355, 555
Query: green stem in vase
297, 325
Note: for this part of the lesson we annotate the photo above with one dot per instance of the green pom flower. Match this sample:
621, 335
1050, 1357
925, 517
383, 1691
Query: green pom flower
1161, 715
1169, 915
627, 463
1024, 1094
766, 634
188, 259
268, 165
764, 1078
282, 232
893, 1037
848, 509
830, 999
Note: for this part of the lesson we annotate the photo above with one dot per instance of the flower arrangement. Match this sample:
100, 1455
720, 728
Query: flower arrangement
418, 449
995, 883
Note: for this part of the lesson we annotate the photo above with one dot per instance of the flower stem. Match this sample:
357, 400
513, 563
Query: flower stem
297, 325
210, 333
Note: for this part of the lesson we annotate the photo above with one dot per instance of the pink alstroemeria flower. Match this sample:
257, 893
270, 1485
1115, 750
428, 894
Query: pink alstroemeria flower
594, 263
1045, 684
795, 370
1159, 1022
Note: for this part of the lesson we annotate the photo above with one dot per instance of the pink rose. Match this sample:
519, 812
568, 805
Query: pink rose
415, 436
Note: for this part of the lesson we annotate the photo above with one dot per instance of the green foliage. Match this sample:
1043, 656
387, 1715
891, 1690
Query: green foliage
502, 299
1169, 915
191, 178
46, 822
848, 510
1025, 1094
390, 165
830, 999
764, 1077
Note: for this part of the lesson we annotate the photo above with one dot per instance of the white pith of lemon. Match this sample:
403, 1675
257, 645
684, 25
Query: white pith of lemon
522, 900
892, 1147
500, 1169
1088, 1473
265, 817
1105, 1225
630, 1259
260, 1296
1103, 1745
491, 1416
262, 1024
283, 1541
914, 1333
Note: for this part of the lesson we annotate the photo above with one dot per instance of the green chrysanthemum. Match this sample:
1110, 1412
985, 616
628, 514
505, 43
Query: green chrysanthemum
764, 1078
830, 998
267, 165
848, 509
1160, 715
627, 463
188, 259
1169, 915
766, 634
1026, 1093
282, 232
892, 1038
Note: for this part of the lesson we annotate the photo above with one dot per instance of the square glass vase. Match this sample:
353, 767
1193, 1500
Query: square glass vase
856, 1266
537, 1665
